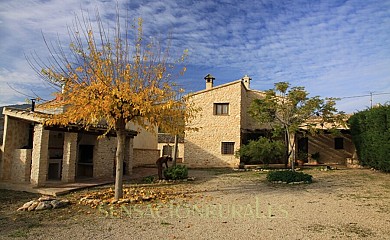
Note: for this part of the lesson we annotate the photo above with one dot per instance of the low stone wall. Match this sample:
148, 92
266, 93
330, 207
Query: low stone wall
212, 164
15, 137
20, 168
353, 163
145, 156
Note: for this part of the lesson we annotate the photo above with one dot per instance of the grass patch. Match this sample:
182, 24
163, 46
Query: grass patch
165, 223
34, 225
20, 233
367, 176
247, 175
353, 228
216, 171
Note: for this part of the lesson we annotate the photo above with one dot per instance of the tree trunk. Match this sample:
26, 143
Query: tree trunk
291, 154
175, 151
287, 155
120, 154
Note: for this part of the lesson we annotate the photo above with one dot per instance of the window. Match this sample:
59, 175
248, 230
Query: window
221, 108
339, 143
227, 148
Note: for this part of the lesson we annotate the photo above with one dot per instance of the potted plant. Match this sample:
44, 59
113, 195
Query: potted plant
302, 158
314, 158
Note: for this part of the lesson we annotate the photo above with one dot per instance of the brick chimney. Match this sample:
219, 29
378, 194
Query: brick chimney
209, 81
246, 80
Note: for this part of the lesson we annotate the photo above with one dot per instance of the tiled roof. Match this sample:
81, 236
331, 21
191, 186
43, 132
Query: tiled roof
39, 117
167, 138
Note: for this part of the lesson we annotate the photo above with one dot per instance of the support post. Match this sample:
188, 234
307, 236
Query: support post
40, 156
69, 158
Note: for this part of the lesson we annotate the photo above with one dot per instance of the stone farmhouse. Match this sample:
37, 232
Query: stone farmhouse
224, 125
35, 154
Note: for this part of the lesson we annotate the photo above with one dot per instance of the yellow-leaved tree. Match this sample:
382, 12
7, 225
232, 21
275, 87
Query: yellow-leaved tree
113, 75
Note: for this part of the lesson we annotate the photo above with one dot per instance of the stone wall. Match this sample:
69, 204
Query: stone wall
249, 122
324, 144
54, 144
203, 148
104, 157
21, 165
16, 135
145, 157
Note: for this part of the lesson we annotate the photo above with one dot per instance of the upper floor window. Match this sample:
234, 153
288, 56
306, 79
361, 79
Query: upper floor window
339, 143
221, 108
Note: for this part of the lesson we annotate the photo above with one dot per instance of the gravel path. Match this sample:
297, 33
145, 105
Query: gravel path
220, 204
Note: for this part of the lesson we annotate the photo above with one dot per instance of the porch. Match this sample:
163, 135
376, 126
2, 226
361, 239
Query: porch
56, 188
43, 156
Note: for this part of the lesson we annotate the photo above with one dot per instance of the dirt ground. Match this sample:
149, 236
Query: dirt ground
219, 204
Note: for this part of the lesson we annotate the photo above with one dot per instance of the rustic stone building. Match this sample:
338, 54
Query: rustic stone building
223, 122
224, 125
34, 154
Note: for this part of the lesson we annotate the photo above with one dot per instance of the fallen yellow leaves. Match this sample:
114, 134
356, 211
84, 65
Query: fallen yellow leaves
134, 195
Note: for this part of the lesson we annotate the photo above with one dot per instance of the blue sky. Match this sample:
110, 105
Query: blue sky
333, 48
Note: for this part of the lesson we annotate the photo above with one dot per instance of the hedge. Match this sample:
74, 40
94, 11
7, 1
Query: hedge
289, 176
370, 131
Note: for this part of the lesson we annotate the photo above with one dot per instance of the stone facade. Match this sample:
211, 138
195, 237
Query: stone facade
324, 144
21, 165
15, 136
104, 158
57, 154
145, 150
144, 157
204, 148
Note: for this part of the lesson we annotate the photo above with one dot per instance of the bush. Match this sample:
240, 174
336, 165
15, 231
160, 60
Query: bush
262, 150
176, 172
289, 176
370, 130
148, 179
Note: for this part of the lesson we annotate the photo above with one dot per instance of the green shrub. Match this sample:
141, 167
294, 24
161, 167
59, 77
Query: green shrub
289, 176
148, 179
370, 130
262, 150
176, 172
